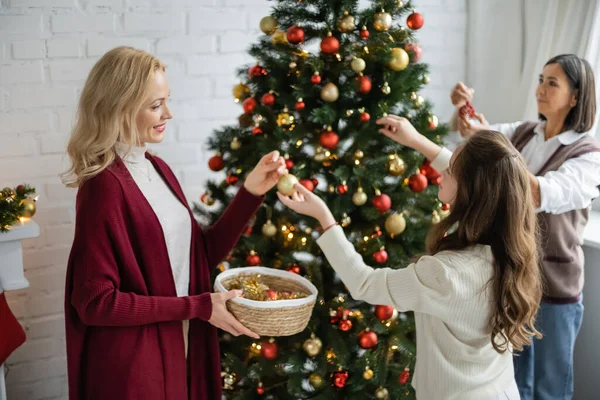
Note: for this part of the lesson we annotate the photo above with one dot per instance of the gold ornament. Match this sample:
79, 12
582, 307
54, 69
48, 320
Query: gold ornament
433, 121
319, 155
235, 144
360, 197
330, 93
292, 65
443, 213
358, 65
241, 91
316, 380
419, 102
268, 25
8, 193
346, 220
228, 380
395, 165
269, 229
400, 4
386, 89
285, 120
395, 224
358, 154
279, 37
382, 393
286, 184
368, 374
426, 79
331, 189
400, 59
312, 346
435, 218
382, 21
28, 208
413, 96
346, 23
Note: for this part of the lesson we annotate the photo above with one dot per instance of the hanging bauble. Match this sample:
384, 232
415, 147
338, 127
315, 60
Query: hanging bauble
359, 154
312, 346
256, 71
346, 220
433, 176
339, 378
285, 119
395, 165
216, 162
241, 91
330, 189
416, 51
330, 92
382, 21
395, 224
300, 105
343, 188
415, 21
249, 105
227, 380
319, 155
338, 315
286, 184
433, 121
292, 65
367, 339
295, 35
360, 197
363, 84
207, 199
346, 23
383, 313
269, 350
253, 259
316, 380
364, 33
268, 99
382, 393
368, 374
329, 44
381, 202
419, 102
245, 120
435, 217
235, 144
268, 25
358, 64
426, 79
279, 37
345, 325
316, 78
260, 390
399, 60
329, 139
269, 229
417, 182
404, 376
257, 131
386, 89
308, 184
289, 164
380, 256
28, 208
365, 117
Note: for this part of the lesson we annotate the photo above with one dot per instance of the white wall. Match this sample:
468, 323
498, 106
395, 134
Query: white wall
46, 50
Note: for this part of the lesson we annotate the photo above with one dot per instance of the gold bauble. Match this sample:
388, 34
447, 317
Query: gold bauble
419, 102
358, 65
269, 229
28, 208
292, 65
319, 155
368, 374
316, 380
395, 166
346, 220
285, 119
235, 144
331, 189
228, 380
346, 23
360, 197
286, 184
8, 193
330, 93
395, 224
241, 91
386, 89
358, 154
382, 21
382, 393
443, 213
312, 346
435, 218
279, 37
268, 25
400, 59
426, 79
433, 121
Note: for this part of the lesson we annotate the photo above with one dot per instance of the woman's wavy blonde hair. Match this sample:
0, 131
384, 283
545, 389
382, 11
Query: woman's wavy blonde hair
113, 95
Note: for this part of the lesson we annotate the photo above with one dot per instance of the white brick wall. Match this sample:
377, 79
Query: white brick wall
47, 47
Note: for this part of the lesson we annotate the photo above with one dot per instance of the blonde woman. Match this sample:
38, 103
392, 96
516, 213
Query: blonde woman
140, 318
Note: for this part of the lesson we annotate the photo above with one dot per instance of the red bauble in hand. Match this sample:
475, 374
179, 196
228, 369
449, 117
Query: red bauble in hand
404, 376
367, 339
216, 163
417, 183
364, 84
330, 45
382, 202
380, 256
329, 139
268, 99
339, 379
295, 35
467, 111
415, 21
384, 313
253, 259
269, 350
307, 183
249, 105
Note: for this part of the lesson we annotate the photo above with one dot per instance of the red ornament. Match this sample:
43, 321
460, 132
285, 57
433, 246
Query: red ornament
256, 71
365, 117
329, 139
416, 50
445, 207
20, 188
253, 259
289, 164
383, 313
417, 183
248, 231
315, 182
330, 45
272, 294
364, 84
307, 183
232, 179
415, 21
269, 349
345, 325
342, 189
367, 339
295, 35
260, 390
340, 314
380, 256
300, 105
364, 33
295, 268
316, 78
382, 203
467, 110
257, 131
404, 376
433, 176
268, 99
339, 379
216, 163
249, 105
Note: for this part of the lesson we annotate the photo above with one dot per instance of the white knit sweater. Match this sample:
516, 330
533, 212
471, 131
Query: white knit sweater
451, 298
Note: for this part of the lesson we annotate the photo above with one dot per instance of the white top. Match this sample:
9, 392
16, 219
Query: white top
173, 216
450, 296
572, 187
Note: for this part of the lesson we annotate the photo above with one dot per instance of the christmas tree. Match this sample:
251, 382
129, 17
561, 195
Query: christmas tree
325, 72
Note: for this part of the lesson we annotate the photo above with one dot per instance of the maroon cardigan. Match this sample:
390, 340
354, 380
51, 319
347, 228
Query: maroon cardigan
123, 316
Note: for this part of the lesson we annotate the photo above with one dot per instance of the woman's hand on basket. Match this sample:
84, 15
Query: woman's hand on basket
223, 319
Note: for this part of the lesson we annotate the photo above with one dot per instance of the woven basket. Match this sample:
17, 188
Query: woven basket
271, 318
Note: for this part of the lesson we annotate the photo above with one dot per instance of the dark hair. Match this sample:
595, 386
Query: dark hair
581, 80
494, 206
